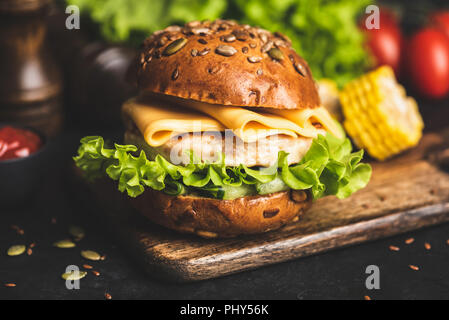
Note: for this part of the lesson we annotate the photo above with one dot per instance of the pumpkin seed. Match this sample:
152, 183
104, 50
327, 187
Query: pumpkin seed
64, 244
76, 275
276, 54
77, 232
225, 50
90, 255
175, 46
16, 250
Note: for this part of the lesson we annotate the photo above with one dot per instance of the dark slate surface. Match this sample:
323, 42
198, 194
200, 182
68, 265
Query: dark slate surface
335, 275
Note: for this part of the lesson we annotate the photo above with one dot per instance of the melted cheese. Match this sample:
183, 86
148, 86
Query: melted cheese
159, 120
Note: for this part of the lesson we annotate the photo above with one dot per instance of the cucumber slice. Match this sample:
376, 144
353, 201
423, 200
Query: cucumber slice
276, 185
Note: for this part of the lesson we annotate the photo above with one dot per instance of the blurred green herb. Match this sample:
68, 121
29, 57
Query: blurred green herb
324, 32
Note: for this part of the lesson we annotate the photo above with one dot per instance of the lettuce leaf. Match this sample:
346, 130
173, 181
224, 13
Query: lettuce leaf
328, 168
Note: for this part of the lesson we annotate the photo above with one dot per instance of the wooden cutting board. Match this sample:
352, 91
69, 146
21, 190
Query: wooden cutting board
406, 193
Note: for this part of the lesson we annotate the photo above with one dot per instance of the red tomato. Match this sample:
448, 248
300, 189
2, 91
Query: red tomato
441, 21
428, 62
386, 42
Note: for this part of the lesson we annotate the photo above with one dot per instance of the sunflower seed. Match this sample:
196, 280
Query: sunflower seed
229, 38
173, 29
241, 35
202, 41
193, 24
200, 31
194, 52
90, 255
77, 232
254, 59
162, 41
263, 37
276, 54
204, 52
16, 250
266, 47
175, 74
245, 49
175, 46
225, 50
76, 275
214, 69
300, 69
64, 244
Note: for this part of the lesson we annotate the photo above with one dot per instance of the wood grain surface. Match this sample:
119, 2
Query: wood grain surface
405, 193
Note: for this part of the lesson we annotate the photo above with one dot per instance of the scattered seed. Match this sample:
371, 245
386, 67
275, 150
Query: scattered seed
427, 246
252, 45
32, 245
10, 285
76, 275
367, 298
103, 257
16, 250
107, 296
394, 248
64, 244
19, 230
276, 54
413, 267
254, 59
259, 72
202, 41
409, 241
194, 52
175, 46
225, 50
76, 232
90, 255
96, 273
87, 266
29, 251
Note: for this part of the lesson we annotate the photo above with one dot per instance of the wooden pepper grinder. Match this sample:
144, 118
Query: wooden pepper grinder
30, 80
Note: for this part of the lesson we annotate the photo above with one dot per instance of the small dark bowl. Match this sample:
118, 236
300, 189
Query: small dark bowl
21, 177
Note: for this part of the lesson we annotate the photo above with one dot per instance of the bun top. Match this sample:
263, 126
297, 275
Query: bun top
225, 63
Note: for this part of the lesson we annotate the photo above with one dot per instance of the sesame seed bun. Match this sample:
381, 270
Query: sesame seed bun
225, 63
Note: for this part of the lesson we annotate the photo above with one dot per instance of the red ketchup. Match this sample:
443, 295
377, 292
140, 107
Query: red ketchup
17, 143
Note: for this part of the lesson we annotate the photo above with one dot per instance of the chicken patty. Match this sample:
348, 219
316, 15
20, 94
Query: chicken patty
210, 145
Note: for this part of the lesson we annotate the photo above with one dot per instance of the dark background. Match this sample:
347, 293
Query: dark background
338, 274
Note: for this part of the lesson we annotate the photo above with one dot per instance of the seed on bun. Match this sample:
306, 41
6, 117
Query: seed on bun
222, 62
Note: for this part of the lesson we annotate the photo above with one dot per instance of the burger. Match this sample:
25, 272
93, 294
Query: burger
227, 135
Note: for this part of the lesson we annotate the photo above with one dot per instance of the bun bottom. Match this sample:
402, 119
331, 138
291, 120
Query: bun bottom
213, 218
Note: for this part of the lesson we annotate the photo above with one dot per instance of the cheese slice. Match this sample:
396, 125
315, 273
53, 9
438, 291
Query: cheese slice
305, 118
158, 122
160, 119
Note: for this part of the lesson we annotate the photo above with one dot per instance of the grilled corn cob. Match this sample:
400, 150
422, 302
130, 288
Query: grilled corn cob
379, 116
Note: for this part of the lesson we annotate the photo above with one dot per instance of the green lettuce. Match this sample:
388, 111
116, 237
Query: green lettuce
328, 168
